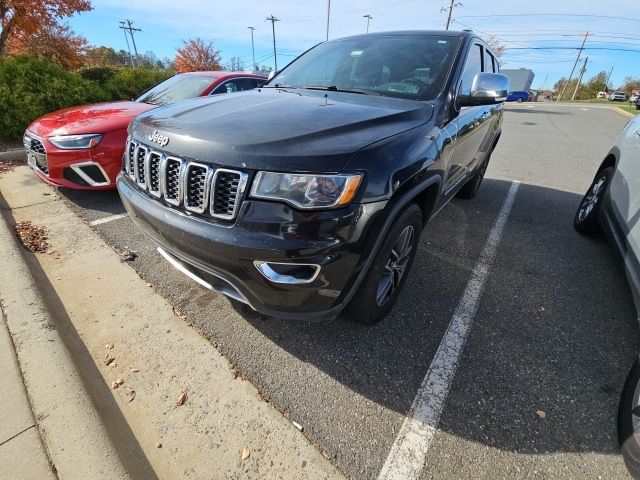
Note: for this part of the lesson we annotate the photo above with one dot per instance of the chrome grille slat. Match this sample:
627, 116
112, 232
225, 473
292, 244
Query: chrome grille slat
197, 181
172, 185
139, 164
152, 170
196, 187
36, 148
228, 188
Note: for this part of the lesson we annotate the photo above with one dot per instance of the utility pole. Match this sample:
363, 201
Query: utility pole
586, 35
369, 18
582, 70
273, 21
545, 82
130, 28
253, 50
606, 85
126, 39
450, 8
328, 14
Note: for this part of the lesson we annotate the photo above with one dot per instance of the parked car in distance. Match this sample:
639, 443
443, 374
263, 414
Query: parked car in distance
634, 98
618, 96
612, 204
309, 195
518, 97
602, 95
82, 147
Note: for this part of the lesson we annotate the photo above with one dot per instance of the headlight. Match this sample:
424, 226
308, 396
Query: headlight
76, 142
306, 191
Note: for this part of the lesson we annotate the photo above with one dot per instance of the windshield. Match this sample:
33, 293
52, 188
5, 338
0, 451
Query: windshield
178, 87
407, 66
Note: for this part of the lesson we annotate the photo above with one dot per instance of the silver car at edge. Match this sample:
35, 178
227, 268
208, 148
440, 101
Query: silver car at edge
612, 205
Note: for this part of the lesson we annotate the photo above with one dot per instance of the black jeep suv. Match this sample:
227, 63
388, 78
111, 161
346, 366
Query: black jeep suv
309, 194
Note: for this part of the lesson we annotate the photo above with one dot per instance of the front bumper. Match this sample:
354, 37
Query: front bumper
222, 254
91, 169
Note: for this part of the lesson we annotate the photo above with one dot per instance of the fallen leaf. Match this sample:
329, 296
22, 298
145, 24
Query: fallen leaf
128, 256
108, 346
113, 364
32, 237
130, 395
119, 381
246, 453
541, 414
108, 360
134, 369
114, 385
181, 398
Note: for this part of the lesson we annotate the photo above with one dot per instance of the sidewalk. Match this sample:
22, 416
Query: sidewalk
22, 455
102, 309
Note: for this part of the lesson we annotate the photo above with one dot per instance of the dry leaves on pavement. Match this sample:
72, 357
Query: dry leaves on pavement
108, 359
33, 238
109, 346
246, 453
116, 383
130, 395
541, 414
181, 398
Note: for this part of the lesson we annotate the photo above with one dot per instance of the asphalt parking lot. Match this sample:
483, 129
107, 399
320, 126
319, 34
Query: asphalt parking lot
555, 328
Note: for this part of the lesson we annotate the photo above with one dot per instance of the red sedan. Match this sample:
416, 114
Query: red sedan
82, 147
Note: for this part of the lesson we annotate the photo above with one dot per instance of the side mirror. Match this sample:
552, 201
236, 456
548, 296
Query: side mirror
272, 74
487, 89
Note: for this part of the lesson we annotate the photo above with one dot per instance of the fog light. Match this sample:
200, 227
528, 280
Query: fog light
288, 273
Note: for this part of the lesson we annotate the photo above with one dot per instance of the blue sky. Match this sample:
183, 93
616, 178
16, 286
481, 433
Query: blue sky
525, 28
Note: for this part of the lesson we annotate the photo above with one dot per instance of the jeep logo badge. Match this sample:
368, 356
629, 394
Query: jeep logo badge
161, 140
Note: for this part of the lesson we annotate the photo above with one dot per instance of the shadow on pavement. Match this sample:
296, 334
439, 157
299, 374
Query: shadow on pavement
106, 201
555, 330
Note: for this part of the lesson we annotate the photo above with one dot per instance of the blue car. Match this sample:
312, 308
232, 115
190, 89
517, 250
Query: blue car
518, 97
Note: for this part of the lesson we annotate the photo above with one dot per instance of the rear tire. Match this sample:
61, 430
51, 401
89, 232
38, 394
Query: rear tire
380, 288
629, 444
586, 220
519, 100
470, 189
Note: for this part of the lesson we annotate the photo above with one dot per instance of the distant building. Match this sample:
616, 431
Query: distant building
520, 79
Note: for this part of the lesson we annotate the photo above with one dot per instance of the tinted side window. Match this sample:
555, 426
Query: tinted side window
258, 82
472, 67
235, 85
489, 62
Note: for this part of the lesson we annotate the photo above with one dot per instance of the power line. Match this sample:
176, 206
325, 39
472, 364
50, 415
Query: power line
552, 15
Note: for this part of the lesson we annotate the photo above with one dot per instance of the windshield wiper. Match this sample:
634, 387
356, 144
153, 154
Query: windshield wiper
335, 88
277, 85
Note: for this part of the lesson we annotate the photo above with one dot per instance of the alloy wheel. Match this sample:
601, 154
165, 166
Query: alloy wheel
592, 198
396, 265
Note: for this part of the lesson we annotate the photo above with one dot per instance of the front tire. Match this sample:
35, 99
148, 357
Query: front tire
519, 100
629, 421
386, 276
586, 218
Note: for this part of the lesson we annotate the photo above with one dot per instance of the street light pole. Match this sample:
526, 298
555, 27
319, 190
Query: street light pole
273, 21
328, 15
369, 18
253, 51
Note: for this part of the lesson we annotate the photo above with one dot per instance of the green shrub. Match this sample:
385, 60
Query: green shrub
31, 87
128, 83
99, 75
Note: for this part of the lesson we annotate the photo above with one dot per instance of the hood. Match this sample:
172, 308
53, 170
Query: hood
272, 129
94, 118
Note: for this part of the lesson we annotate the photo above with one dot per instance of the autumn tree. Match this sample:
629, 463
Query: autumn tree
496, 45
235, 64
197, 54
57, 43
26, 17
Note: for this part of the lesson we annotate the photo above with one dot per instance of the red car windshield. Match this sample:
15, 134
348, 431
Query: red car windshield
178, 87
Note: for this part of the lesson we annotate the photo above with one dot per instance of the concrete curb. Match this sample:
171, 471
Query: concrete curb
74, 437
14, 155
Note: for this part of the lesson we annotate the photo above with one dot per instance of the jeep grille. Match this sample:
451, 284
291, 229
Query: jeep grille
196, 187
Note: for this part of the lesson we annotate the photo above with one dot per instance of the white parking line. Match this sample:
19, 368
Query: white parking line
407, 456
100, 221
